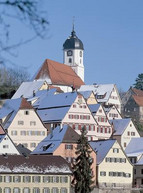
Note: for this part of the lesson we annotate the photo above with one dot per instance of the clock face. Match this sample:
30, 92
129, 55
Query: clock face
69, 52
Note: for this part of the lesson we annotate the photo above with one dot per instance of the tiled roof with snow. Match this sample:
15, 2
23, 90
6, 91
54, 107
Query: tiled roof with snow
9, 106
86, 94
52, 115
34, 164
94, 108
135, 146
120, 125
58, 100
102, 148
99, 89
26, 89
54, 139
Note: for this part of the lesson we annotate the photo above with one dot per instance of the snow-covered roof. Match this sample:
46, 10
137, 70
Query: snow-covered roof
99, 89
40, 95
58, 100
135, 146
54, 114
102, 148
9, 106
2, 137
34, 164
94, 108
86, 94
120, 125
26, 89
140, 162
54, 139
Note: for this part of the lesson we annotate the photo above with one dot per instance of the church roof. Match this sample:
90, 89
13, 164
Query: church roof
58, 74
73, 42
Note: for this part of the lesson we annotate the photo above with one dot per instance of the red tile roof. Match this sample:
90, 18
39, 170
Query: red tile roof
2, 132
137, 92
60, 74
25, 105
138, 100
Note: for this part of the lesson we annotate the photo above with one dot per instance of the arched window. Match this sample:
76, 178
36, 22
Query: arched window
70, 60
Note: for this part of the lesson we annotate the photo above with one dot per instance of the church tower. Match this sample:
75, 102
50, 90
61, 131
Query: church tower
73, 54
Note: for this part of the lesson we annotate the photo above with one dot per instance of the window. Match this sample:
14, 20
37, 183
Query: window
23, 133
26, 112
74, 106
13, 132
70, 60
36, 190
68, 146
55, 179
46, 190
141, 171
36, 179
16, 178
46, 179
33, 145
132, 133
32, 123
7, 179
5, 146
20, 122
7, 190
55, 190
125, 144
115, 150
26, 179
64, 179
102, 173
16, 190
63, 190
128, 133
26, 190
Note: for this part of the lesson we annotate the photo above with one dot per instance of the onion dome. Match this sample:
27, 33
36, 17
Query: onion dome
73, 42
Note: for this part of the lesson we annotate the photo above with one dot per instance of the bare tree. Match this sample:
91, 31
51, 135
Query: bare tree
27, 12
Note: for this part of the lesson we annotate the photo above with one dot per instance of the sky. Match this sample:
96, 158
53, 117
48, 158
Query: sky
111, 31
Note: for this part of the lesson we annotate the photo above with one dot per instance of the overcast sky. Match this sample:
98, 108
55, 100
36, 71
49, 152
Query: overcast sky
111, 31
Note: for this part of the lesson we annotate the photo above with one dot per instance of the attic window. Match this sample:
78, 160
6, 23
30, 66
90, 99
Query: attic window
26, 112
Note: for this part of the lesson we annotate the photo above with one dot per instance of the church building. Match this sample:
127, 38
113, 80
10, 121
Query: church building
68, 75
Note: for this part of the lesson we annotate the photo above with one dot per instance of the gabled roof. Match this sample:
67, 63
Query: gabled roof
99, 89
86, 94
135, 146
102, 148
53, 114
27, 89
34, 164
58, 74
138, 100
94, 108
120, 125
58, 100
55, 138
10, 109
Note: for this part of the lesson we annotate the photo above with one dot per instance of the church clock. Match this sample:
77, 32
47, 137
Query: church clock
69, 52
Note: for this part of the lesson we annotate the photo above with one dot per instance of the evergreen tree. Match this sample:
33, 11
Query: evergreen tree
139, 82
82, 171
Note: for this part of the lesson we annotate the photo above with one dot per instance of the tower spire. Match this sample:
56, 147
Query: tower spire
73, 32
